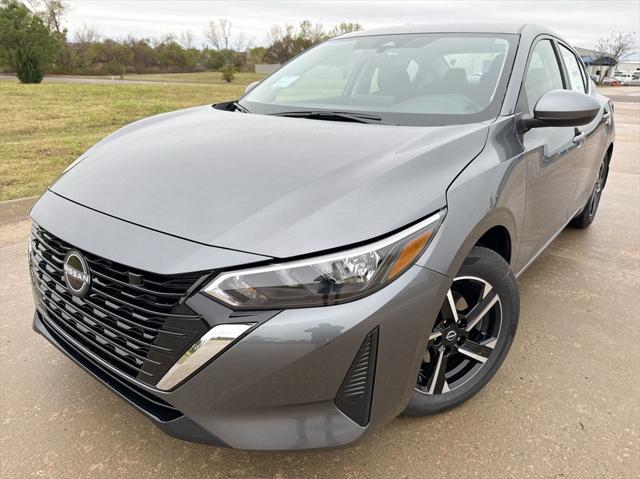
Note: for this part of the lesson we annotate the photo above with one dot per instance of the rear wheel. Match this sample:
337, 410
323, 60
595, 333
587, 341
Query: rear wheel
471, 336
588, 213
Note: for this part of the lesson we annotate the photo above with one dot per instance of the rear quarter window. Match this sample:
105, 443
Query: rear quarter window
574, 70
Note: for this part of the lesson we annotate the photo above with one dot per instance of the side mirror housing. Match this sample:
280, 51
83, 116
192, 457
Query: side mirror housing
562, 108
250, 87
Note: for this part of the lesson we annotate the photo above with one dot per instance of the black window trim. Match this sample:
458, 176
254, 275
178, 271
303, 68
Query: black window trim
522, 104
583, 73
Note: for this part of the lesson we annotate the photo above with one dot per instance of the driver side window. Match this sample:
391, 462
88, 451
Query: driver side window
543, 73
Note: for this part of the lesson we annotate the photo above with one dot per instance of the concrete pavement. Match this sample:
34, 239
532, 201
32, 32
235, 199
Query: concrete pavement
566, 403
621, 93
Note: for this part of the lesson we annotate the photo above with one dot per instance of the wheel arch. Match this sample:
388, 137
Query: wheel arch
496, 231
498, 239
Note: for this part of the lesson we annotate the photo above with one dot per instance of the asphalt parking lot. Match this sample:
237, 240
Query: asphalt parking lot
566, 403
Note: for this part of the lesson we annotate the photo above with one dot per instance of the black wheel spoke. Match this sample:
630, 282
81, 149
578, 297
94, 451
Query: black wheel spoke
476, 351
437, 382
481, 309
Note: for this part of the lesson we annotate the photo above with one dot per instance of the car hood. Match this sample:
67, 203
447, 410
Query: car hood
274, 186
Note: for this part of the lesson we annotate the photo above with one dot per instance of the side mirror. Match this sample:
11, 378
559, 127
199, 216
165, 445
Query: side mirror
562, 108
250, 87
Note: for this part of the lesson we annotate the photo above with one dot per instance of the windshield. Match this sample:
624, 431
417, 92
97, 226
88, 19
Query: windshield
407, 79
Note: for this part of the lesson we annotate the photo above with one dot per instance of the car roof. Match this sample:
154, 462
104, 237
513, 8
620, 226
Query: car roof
499, 28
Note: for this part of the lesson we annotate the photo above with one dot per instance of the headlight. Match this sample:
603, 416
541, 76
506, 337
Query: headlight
325, 280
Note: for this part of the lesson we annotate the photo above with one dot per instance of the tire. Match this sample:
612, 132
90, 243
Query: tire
456, 366
586, 216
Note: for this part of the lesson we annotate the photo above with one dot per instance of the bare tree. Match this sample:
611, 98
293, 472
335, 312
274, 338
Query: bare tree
225, 31
312, 33
164, 38
617, 46
86, 35
219, 33
278, 33
241, 42
275, 34
343, 28
51, 12
186, 39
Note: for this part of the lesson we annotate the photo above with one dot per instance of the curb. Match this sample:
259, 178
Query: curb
16, 210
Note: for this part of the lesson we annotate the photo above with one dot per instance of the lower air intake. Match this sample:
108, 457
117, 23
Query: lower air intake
354, 396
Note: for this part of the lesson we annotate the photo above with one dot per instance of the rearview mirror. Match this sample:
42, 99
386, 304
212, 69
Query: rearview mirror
563, 108
250, 87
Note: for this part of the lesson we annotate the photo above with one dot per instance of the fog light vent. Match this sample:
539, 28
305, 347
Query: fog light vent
354, 396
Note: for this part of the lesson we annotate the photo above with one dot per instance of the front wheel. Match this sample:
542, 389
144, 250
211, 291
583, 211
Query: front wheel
471, 335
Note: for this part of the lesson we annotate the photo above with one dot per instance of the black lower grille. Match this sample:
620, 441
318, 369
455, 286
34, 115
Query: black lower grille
135, 321
152, 405
354, 396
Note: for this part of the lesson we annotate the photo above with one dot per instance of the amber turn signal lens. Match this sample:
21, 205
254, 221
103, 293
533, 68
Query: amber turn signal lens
409, 254
327, 279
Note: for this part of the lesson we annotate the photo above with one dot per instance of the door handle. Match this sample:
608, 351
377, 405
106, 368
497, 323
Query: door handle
580, 136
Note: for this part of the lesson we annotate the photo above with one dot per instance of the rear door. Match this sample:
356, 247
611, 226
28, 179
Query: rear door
596, 133
553, 155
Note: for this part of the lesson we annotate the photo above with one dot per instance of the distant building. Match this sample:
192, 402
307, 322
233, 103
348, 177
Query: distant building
628, 67
597, 64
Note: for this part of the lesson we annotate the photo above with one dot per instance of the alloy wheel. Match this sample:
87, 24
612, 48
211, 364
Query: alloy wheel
463, 338
597, 189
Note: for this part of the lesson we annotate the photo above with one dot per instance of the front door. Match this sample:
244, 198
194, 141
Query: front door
553, 156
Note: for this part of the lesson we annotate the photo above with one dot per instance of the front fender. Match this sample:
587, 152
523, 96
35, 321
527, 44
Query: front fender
489, 192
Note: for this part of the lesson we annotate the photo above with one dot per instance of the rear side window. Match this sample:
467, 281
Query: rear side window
576, 78
543, 74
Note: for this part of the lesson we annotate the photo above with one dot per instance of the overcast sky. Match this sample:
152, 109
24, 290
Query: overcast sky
580, 22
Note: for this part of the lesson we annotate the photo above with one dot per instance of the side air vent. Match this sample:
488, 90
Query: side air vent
354, 396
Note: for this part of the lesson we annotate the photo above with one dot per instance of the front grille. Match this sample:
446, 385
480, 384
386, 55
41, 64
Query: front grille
133, 320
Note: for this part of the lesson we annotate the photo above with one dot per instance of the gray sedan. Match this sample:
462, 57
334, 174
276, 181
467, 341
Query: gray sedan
294, 268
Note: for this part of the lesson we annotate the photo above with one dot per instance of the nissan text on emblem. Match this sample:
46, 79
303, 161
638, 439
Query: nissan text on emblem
76, 273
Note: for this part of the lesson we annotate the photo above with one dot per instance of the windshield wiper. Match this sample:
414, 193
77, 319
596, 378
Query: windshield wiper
232, 105
239, 107
332, 115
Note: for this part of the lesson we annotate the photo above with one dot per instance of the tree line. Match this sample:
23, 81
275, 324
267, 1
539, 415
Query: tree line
33, 40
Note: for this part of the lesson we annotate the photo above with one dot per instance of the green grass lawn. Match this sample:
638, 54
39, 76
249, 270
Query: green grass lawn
44, 127
211, 78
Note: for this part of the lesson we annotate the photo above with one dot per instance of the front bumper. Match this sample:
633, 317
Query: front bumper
276, 388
